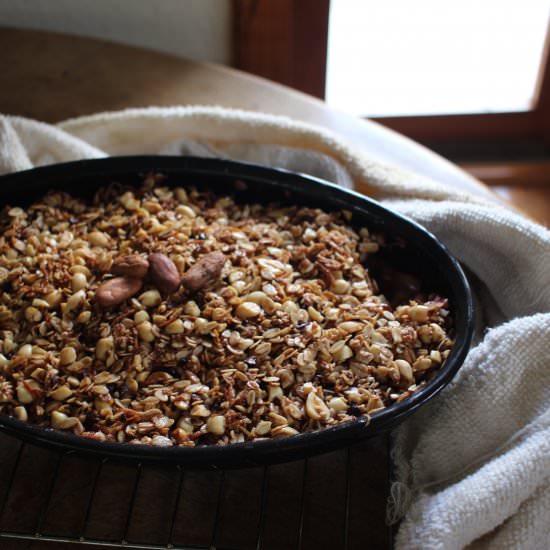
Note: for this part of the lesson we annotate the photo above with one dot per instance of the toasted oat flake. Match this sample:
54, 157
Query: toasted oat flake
288, 334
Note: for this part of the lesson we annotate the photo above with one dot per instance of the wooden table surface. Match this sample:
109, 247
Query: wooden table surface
52, 77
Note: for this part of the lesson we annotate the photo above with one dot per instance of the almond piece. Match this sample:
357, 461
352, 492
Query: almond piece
204, 272
116, 290
131, 265
164, 273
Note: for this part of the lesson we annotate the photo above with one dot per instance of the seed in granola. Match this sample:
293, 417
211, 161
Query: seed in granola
131, 265
117, 290
204, 272
164, 273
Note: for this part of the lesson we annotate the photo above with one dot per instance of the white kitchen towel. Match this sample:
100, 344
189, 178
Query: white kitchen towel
473, 466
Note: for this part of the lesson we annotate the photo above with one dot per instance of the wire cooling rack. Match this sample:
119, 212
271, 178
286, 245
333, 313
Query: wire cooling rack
334, 501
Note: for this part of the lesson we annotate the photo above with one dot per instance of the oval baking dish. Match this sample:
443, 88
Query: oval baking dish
419, 252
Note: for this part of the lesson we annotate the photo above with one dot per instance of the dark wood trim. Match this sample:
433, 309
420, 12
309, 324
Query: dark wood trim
498, 125
534, 173
284, 41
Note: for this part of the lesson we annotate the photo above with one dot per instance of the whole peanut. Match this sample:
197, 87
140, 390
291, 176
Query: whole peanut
131, 265
164, 273
116, 290
204, 272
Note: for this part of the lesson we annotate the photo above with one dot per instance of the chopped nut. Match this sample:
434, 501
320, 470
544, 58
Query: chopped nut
97, 238
61, 421
422, 363
175, 327
104, 347
405, 370
33, 315
351, 326
316, 407
216, 424
145, 331
79, 281
419, 313
141, 316
247, 310
23, 394
150, 298
338, 404
263, 427
340, 286
67, 355
75, 301
21, 413
61, 393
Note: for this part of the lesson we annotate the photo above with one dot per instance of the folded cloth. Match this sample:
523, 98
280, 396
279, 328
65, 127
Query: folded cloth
473, 466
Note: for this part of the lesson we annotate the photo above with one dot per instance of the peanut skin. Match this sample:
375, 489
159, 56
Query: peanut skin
117, 290
131, 265
204, 272
164, 273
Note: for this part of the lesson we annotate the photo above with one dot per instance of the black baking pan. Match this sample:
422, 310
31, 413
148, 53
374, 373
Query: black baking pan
418, 252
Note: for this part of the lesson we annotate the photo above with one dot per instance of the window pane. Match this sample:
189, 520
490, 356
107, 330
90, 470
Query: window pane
403, 57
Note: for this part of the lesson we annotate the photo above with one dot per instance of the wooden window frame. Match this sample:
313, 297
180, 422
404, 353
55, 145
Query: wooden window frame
286, 41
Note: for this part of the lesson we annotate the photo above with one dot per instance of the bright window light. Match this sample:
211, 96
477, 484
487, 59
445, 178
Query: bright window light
403, 57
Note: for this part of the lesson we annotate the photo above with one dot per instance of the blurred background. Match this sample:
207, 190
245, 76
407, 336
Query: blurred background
469, 79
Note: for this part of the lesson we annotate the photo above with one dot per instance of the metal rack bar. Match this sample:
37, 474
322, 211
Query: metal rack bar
176, 507
100, 543
217, 514
12, 478
261, 521
348, 498
302, 506
131, 505
91, 500
47, 500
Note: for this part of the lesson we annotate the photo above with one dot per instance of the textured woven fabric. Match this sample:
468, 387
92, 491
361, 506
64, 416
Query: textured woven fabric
473, 466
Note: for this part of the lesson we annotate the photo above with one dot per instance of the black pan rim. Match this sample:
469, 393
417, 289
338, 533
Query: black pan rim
266, 450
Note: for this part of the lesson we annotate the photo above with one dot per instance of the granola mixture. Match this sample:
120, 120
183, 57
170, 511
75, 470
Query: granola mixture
176, 317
